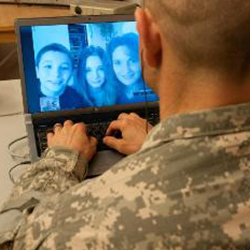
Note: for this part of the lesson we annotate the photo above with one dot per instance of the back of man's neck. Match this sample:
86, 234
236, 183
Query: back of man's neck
184, 93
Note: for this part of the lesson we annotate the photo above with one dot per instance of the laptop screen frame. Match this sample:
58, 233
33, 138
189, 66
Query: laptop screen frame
19, 23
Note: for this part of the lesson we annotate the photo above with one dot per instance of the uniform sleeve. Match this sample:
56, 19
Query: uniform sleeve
57, 170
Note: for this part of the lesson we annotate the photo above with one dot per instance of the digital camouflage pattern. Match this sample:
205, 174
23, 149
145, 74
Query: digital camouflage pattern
187, 188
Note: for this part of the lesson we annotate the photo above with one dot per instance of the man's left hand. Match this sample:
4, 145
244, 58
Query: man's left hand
73, 136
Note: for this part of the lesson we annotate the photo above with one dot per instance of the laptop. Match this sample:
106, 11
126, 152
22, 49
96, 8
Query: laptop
58, 46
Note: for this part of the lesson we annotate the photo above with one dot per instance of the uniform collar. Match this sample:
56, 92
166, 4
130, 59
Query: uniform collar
217, 121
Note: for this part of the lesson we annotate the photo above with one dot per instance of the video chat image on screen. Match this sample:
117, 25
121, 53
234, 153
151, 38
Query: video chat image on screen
85, 65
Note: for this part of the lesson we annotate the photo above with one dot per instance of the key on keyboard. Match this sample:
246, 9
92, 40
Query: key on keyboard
97, 130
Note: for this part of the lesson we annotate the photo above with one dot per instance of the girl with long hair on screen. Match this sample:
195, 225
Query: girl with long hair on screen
98, 90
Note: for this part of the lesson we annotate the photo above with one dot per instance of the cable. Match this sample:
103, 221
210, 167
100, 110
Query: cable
145, 92
146, 106
13, 155
11, 114
14, 167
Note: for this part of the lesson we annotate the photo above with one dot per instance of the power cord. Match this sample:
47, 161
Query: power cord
14, 167
11, 114
17, 156
13, 155
145, 92
146, 106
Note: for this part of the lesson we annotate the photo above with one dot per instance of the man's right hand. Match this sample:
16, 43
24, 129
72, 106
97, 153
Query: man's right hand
133, 129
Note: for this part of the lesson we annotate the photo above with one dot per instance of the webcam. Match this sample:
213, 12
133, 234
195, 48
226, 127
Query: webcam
103, 7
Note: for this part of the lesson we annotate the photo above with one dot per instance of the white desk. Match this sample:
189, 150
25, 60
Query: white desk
11, 128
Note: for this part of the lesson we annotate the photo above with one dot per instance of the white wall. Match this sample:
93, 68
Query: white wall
44, 35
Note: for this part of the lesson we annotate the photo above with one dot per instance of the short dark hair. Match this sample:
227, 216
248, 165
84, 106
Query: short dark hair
212, 33
130, 40
53, 47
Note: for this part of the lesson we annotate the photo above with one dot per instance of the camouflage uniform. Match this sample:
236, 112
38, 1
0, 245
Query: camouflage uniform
187, 188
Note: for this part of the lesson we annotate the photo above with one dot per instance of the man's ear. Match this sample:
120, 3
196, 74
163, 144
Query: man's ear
150, 38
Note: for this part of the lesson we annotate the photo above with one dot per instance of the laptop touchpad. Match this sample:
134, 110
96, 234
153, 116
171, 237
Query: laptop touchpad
102, 161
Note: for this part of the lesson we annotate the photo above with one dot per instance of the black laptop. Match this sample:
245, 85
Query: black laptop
53, 48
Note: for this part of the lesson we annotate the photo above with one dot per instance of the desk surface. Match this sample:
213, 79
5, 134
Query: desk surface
12, 127
9, 12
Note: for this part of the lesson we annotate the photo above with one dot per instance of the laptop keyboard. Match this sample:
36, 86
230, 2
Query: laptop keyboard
96, 128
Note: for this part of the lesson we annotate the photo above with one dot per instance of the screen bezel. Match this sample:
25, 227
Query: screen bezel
19, 23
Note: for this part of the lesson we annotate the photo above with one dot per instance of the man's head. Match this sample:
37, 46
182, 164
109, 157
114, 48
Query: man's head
212, 33
197, 36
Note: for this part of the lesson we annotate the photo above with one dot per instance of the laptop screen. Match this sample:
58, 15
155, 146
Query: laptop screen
82, 65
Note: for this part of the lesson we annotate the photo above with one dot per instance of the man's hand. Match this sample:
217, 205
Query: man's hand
73, 136
133, 130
